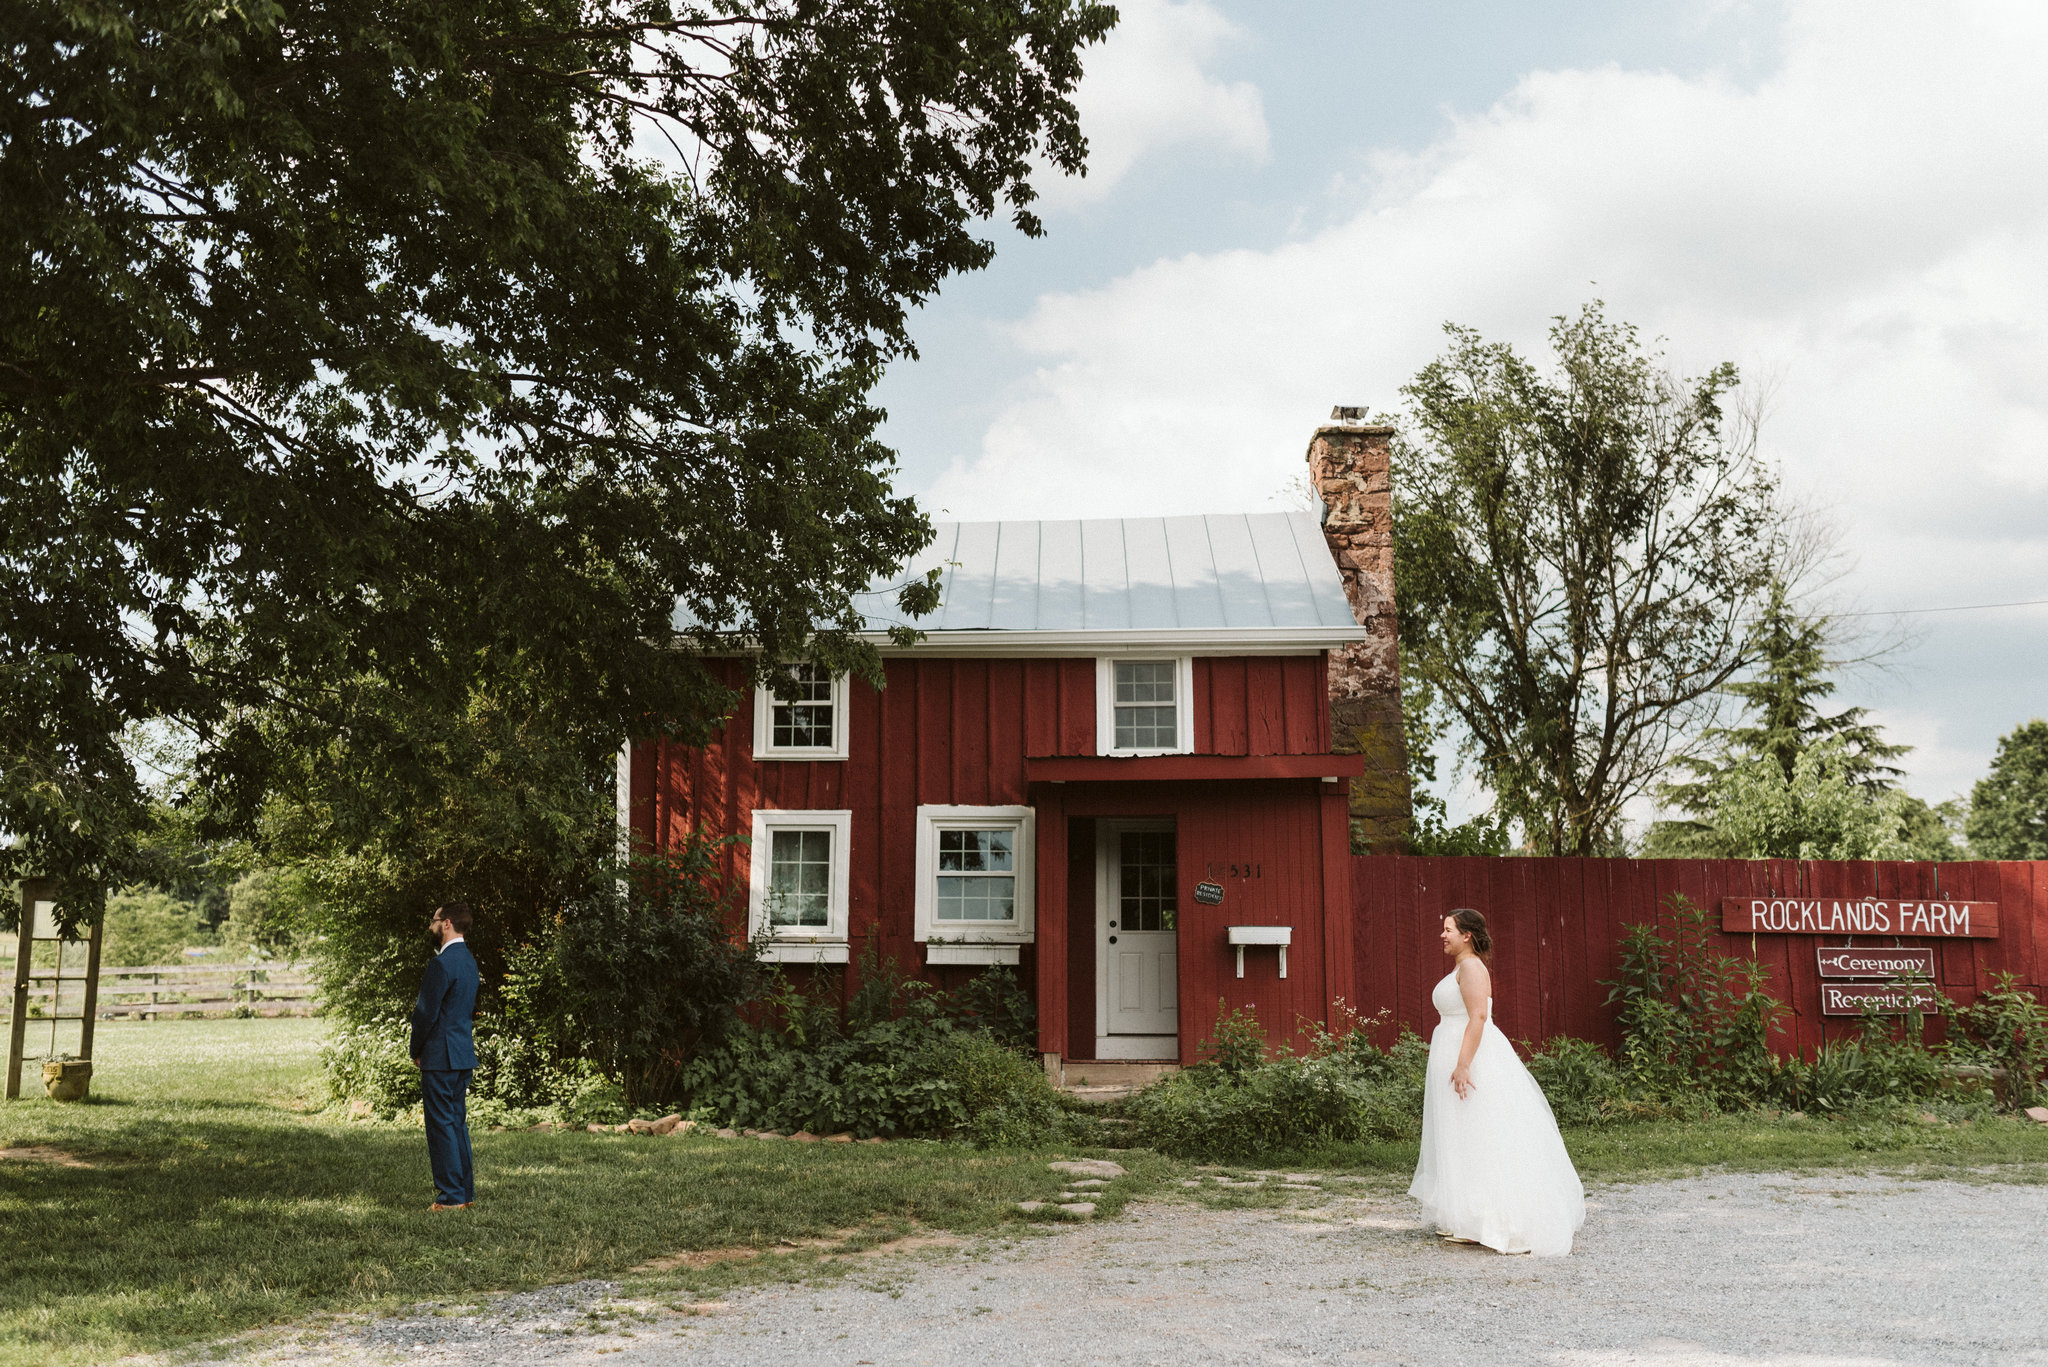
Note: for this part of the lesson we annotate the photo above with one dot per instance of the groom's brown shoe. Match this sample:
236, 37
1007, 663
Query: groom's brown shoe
438, 1206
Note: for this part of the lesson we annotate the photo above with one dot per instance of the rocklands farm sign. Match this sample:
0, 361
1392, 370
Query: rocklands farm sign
1866, 916
1859, 916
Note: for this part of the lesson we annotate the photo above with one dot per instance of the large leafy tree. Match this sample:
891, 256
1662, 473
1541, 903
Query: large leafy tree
1578, 555
2009, 806
354, 350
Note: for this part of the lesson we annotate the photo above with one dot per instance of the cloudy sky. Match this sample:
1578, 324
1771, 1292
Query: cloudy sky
1288, 201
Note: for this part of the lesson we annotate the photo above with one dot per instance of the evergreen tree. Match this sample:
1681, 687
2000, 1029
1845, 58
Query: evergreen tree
1794, 778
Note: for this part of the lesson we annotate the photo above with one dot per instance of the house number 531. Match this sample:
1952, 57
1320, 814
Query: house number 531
1237, 870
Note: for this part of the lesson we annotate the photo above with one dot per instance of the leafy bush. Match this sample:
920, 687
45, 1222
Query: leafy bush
1580, 1081
516, 1080
902, 1059
146, 927
368, 1062
1238, 1103
2005, 1028
1695, 1024
636, 984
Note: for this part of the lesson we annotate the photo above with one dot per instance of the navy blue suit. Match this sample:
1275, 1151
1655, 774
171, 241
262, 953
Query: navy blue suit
446, 1050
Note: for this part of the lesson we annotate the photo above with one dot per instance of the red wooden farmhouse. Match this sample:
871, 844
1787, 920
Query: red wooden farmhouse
1112, 763
1157, 765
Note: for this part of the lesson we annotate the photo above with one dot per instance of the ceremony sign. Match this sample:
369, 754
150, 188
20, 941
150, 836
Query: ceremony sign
1837, 962
1853, 999
1859, 916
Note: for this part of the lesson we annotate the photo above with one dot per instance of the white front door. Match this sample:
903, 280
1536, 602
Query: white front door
1137, 943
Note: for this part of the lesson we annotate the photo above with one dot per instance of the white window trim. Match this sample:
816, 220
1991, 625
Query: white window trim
784, 938
1183, 704
764, 727
933, 932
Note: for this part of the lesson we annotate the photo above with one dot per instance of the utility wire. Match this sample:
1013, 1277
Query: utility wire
1962, 607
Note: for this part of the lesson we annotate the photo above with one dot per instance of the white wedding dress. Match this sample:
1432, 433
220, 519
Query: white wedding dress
1493, 1167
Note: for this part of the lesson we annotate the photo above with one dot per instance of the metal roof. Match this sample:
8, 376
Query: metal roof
1242, 580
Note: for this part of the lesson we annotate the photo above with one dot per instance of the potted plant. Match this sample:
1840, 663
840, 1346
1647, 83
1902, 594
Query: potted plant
67, 1079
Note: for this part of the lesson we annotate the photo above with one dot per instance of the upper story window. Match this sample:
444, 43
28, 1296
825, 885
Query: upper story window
797, 885
808, 724
1144, 706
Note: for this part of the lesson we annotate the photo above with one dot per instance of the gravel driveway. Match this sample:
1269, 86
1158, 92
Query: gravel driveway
1807, 1271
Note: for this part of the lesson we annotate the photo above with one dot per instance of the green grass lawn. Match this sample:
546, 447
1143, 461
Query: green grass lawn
218, 1198
2010, 1147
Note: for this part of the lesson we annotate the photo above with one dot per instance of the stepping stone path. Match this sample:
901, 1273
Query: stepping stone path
1093, 1172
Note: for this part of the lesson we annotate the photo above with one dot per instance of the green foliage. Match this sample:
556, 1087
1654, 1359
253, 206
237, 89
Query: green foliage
1696, 1028
1237, 1044
1796, 782
1782, 702
1578, 555
1580, 1081
266, 910
1239, 1104
636, 984
1695, 1024
517, 1080
145, 928
367, 1062
495, 807
2006, 1027
901, 1059
1751, 809
2009, 806
1432, 834
363, 346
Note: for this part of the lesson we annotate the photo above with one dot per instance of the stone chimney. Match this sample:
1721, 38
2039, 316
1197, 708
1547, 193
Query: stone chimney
1349, 464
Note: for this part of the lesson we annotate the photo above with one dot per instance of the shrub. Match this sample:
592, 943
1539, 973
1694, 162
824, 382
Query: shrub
146, 927
902, 1059
1695, 1024
1581, 1082
1239, 1104
368, 1062
2005, 1028
514, 1080
636, 983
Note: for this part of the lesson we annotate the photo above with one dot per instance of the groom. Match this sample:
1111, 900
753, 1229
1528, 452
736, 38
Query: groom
445, 1054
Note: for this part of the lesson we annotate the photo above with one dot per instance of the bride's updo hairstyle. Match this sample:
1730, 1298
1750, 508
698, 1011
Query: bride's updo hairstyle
1474, 924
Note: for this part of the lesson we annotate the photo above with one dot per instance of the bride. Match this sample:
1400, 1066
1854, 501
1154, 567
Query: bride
1493, 1169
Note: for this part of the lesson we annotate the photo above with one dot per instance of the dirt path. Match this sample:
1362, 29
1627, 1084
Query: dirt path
1770, 1271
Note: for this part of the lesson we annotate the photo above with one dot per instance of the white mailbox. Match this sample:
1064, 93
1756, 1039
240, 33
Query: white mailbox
1278, 936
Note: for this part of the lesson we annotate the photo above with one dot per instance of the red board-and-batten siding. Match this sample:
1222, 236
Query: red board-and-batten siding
1558, 924
961, 731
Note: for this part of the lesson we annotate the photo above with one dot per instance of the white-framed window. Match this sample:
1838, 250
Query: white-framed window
1144, 705
974, 876
797, 885
809, 724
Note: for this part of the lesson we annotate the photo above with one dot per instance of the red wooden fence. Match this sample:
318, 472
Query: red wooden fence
1557, 922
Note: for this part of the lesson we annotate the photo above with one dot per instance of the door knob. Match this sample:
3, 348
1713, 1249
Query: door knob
1112, 939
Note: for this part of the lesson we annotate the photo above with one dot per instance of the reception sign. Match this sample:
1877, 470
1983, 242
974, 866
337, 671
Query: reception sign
1886, 999
1859, 916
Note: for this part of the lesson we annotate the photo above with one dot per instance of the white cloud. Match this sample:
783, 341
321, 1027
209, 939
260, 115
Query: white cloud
1867, 225
1147, 90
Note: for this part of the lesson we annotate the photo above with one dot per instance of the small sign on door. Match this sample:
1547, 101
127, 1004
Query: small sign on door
1209, 894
